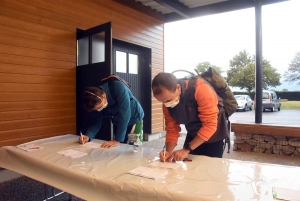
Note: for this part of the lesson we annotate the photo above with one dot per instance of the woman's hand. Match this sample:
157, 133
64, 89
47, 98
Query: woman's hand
112, 143
83, 139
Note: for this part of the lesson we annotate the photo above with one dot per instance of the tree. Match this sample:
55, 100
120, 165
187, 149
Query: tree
293, 73
284, 90
203, 66
242, 72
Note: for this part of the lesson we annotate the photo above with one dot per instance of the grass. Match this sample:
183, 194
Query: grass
290, 105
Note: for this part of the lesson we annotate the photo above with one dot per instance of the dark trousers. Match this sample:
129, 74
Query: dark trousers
214, 149
128, 130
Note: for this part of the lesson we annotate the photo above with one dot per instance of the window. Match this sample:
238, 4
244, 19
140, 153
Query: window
98, 47
133, 64
265, 95
121, 62
127, 63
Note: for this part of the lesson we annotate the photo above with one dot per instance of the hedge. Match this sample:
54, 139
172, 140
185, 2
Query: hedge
290, 95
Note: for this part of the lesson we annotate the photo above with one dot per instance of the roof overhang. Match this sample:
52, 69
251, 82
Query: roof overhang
174, 10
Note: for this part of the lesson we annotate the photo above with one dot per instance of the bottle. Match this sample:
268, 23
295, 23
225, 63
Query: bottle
137, 146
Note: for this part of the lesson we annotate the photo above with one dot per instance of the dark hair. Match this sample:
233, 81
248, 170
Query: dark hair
91, 98
167, 80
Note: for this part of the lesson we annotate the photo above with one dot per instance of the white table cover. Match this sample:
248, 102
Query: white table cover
101, 174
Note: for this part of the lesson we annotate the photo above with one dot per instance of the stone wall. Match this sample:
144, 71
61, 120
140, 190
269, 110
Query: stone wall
259, 143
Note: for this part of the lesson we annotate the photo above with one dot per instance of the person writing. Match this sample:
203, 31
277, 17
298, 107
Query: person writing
195, 104
119, 103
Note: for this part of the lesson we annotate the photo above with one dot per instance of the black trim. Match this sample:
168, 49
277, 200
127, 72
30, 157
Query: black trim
225, 6
175, 6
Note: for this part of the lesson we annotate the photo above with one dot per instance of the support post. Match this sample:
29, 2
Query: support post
258, 62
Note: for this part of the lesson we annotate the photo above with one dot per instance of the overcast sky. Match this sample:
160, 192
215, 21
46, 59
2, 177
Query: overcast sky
218, 38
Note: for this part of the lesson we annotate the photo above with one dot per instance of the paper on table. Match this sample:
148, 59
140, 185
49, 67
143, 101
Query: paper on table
148, 172
92, 145
171, 165
29, 147
286, 194
72, 153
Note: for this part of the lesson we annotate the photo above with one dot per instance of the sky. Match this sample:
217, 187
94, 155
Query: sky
218, 38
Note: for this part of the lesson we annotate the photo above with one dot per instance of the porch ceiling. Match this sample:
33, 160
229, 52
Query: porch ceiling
174, 10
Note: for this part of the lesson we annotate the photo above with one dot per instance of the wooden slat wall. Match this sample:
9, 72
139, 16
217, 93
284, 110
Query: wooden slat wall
38, 61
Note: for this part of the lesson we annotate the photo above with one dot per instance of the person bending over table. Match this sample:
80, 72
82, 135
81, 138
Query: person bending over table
195, 104
119, 104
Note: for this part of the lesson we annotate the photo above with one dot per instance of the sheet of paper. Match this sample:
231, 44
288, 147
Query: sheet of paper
29, 147
72, 153
148, 172
92, 145
286, 194
171, 165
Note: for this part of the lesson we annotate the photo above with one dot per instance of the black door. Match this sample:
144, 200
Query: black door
132, 63
94, 48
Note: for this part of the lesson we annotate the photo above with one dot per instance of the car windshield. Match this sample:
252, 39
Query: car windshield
239, 97
265, 95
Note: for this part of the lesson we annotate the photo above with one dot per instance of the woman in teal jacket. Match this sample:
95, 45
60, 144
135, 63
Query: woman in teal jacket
118, 103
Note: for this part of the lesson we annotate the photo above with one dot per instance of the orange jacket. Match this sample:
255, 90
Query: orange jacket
207, 101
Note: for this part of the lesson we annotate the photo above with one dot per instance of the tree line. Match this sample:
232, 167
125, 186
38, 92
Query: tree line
241, 72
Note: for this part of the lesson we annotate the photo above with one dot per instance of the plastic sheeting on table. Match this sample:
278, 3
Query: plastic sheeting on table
102, 173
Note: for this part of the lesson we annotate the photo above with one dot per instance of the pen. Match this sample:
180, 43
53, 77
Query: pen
187, 159
81, 137
165, 153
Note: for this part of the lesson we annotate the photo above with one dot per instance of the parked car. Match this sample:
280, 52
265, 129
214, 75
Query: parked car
244, 102
270, 101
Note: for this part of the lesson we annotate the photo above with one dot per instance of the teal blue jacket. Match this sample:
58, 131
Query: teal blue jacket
125, 111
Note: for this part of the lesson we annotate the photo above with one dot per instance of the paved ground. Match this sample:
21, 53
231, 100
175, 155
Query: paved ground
290, 117
283, 117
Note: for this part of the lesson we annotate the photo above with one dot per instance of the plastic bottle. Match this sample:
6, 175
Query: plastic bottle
137, 146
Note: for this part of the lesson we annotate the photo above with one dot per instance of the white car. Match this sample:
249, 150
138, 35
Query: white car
244, 102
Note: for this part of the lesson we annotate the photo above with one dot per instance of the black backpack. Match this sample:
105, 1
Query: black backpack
220, 86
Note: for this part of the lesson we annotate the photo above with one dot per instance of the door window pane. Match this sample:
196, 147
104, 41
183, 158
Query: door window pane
133, 63
83, 51
98, 47
121, 62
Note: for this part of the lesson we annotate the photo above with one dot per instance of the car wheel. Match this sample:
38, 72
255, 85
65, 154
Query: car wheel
245, 108
264, 110
272, 109
250, 107
278, 108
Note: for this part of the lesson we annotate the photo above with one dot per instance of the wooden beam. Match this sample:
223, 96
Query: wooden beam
266, 129
141, 8
175, 6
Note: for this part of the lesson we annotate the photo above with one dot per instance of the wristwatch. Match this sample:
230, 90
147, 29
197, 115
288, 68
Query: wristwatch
188, 147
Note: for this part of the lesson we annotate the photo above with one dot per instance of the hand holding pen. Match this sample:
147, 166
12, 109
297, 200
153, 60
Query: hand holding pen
164, 153
83, 138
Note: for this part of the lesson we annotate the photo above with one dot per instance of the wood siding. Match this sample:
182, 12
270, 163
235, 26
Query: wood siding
38, 61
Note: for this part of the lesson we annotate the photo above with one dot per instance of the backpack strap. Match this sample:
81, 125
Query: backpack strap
115, 77
110, 81
112, 89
